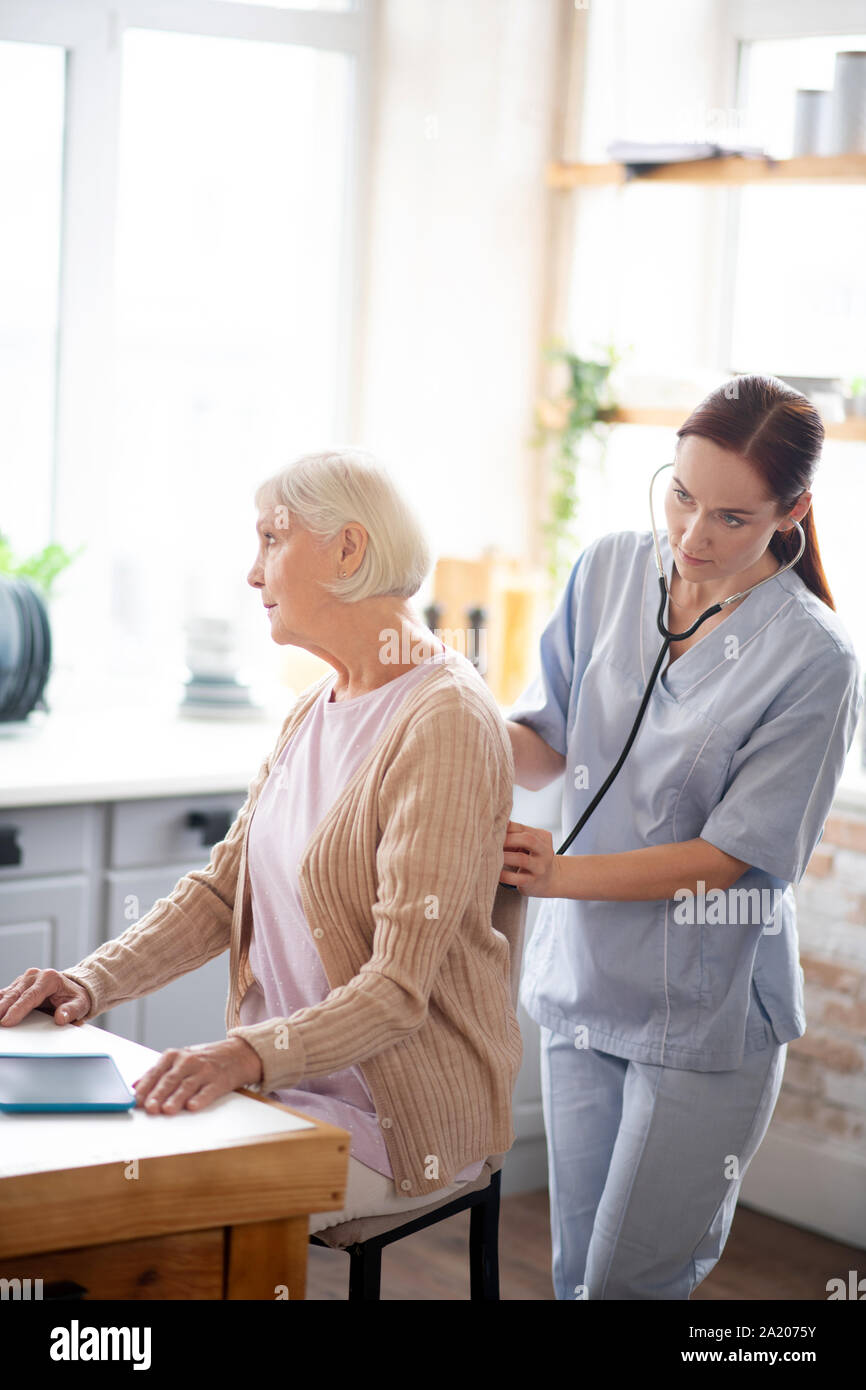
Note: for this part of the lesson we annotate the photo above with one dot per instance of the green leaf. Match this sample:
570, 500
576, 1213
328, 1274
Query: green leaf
42, 568
587, 395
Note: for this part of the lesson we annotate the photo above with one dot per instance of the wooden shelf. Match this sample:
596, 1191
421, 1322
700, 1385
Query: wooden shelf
853, 428
729, 170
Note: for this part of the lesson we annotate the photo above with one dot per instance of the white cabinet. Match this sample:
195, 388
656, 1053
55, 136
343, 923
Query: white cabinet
37, 840
43, 922
189, 1010
73, 877
152, 844
49, 886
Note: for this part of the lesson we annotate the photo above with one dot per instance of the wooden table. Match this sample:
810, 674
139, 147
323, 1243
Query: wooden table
129, 1205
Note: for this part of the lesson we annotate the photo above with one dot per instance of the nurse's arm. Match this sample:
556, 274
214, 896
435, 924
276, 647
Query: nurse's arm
660, 871
536, 764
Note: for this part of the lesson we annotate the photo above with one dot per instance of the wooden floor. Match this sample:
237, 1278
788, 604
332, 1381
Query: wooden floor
763, 1259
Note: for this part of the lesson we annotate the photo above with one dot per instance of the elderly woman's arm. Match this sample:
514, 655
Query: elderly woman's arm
443, 807
181, 932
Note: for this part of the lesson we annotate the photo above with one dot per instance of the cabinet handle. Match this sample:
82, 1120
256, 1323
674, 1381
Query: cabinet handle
10, 850
214, 825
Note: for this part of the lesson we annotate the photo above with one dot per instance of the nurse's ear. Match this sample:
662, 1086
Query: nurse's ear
797, 512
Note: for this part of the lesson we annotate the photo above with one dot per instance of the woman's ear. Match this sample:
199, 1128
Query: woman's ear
797, 512
353, 542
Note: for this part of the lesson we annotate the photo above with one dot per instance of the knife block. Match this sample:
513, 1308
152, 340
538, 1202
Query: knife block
512, 594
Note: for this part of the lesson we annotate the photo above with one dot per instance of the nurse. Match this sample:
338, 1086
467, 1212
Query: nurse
663, 969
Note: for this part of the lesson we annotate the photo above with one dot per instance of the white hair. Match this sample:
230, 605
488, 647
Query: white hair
326, 491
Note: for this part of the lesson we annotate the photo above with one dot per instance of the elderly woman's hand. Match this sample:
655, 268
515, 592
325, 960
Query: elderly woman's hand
194, 1076
529, 862
47, 991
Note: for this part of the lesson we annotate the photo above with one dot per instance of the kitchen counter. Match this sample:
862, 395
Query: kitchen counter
150, 750
131, 752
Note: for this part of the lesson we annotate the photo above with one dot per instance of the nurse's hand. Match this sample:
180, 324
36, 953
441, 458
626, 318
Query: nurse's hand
530, 863
192, 1077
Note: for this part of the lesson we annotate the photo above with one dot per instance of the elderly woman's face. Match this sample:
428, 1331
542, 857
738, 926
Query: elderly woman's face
290, 568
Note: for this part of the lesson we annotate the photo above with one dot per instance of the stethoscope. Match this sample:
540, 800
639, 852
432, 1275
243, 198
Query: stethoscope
668, 638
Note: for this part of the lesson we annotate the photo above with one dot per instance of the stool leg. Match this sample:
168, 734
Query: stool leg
484, 1245
365, 1271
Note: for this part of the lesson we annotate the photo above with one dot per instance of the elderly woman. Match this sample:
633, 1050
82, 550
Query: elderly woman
368, 986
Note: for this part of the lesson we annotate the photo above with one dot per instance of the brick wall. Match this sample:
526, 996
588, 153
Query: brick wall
824, 1088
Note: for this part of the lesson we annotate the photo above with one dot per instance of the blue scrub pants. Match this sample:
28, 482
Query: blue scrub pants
642, 1183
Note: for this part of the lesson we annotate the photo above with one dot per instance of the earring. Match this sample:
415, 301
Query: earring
342, 574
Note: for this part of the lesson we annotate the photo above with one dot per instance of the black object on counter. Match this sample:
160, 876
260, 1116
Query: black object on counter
478, 627
25, 648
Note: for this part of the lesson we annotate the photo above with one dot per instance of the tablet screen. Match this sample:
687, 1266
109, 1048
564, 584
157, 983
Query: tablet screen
61, 1081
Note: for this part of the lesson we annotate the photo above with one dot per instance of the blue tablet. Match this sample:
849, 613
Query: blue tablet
62, 1081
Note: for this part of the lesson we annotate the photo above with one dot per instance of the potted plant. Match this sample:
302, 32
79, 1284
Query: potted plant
583, 408
25, 638
41, 569
855, 397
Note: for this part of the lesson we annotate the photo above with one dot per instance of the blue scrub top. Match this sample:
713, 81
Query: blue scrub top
742, 743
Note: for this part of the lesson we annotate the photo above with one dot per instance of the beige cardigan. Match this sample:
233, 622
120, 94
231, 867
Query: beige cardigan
398, 883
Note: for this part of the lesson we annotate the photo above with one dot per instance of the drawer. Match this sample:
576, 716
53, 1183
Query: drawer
39, 840
183, 1266
171, 830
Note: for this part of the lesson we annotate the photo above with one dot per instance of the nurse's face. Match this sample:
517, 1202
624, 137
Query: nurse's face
720, 520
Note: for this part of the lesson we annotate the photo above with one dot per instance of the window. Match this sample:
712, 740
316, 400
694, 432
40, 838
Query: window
696, 283
297, 4
229, 320
31, 153
800, 281
192, 178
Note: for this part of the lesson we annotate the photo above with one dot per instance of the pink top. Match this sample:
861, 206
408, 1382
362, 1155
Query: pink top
303, 785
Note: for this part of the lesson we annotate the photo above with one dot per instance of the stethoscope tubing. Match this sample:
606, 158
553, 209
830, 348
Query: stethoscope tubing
668, 638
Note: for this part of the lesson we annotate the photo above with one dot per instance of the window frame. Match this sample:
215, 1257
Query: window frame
91, 33
745, 21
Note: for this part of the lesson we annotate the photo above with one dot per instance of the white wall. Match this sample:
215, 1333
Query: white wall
457, 259
647, 262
